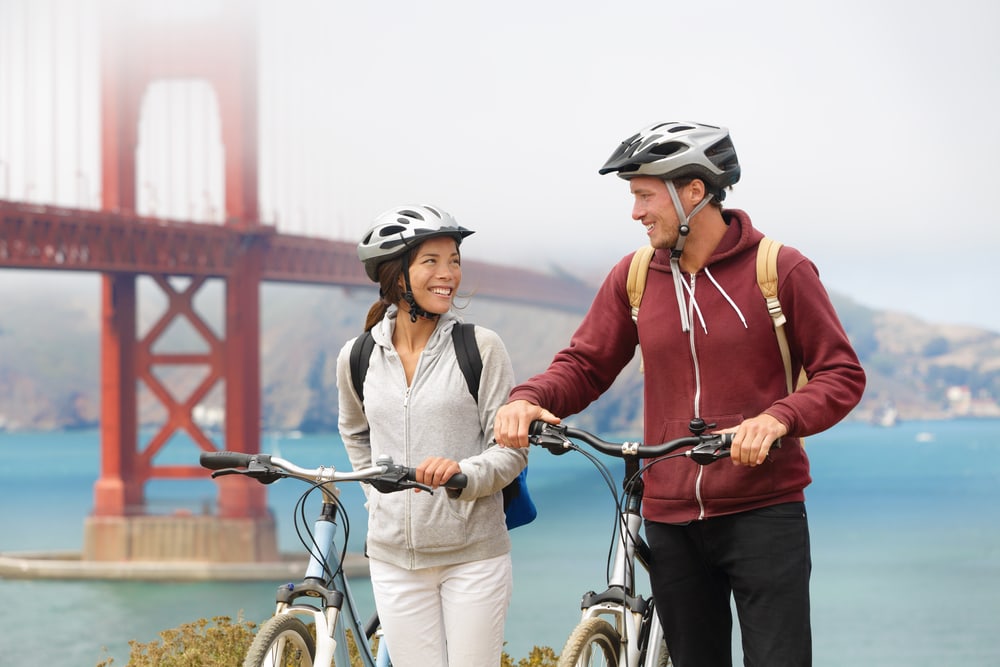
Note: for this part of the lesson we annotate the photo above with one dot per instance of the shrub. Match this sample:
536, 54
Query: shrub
225, 644
196, 644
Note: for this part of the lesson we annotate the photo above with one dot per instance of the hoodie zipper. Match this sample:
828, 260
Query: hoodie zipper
407, 508
688, 306
697, 391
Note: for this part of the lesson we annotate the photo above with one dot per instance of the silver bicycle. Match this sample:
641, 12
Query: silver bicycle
619, 627
323, 597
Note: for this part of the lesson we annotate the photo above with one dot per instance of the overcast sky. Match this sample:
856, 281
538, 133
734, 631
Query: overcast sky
866, 130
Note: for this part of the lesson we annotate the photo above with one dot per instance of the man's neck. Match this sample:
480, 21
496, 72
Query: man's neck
707, 229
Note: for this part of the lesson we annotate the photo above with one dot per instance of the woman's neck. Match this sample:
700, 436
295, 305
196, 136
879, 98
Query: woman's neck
411, 336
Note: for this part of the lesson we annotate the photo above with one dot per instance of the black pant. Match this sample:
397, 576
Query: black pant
762, 559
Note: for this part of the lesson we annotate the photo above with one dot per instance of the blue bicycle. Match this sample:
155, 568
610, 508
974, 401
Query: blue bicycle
323, 594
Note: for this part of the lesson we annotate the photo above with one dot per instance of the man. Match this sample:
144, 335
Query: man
711, 360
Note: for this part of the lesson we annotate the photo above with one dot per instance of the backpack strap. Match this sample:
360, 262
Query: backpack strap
463, 335
767, 279
636, 281
361, 356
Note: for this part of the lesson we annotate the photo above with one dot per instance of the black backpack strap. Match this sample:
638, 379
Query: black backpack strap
463, 335
361, 356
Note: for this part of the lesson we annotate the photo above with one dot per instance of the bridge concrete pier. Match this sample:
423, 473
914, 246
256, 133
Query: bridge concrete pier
180, 537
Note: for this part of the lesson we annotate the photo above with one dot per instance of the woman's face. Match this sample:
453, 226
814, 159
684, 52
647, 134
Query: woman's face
436, 273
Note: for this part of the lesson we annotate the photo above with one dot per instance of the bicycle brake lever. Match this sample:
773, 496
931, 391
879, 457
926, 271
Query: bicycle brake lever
392, 485
394, 480
710, 451
555, 444
261, 474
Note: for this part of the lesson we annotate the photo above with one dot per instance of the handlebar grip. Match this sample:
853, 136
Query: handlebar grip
222, 460
457, 481
538, 427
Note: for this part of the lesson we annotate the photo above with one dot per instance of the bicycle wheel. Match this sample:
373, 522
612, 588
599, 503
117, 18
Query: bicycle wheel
593, 643
282, 641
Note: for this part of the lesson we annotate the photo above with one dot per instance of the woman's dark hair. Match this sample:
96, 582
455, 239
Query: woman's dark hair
389, 290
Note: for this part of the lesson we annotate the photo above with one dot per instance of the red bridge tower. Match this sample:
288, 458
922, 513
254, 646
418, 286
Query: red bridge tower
221, 50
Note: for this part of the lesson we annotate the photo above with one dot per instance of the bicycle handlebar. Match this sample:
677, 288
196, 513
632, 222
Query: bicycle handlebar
384, 475
705, 448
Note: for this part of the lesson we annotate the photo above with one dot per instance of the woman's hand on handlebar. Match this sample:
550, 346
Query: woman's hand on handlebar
436, 470
752, 439
513, 420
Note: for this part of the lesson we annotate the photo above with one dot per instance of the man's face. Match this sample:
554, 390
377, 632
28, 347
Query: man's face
653, 207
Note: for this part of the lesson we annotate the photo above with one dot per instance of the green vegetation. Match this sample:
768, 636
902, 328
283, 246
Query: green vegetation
196, 644
223, 643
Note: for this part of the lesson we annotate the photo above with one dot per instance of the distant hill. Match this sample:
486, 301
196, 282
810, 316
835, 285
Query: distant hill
50, 365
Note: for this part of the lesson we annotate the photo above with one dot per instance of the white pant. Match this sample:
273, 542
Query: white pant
440, 616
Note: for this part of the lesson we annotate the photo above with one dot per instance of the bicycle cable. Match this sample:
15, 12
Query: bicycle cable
308, 539
609, 480
630, 482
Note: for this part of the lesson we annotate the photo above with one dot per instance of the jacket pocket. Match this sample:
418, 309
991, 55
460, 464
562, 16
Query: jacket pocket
441, 524
386, 518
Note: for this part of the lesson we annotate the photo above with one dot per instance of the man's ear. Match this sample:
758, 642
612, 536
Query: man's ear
696, 191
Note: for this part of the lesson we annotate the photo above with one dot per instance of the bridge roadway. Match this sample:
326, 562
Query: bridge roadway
33, 236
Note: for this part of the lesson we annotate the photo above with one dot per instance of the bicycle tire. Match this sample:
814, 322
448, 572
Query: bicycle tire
282, 641
593, 643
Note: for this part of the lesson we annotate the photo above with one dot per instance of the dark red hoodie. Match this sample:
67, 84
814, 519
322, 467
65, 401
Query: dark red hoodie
733, 348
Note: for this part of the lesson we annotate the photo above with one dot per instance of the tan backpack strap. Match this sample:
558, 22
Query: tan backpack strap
636, 282
767, 278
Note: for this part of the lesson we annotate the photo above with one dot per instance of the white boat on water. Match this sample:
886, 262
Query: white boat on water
886, 416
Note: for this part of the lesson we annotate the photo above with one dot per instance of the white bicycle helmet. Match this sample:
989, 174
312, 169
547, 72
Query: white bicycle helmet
678, 150
404, 227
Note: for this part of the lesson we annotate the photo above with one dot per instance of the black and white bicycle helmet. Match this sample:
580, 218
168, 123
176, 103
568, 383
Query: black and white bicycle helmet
678, 150
404, 227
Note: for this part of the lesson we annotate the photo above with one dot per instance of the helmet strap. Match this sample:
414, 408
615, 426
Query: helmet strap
684, 219
683, 229
415, 309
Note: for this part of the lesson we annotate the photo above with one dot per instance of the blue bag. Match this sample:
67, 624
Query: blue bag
517, 503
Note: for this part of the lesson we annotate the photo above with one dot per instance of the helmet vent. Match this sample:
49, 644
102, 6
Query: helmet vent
668, 148
391, 230
720, 148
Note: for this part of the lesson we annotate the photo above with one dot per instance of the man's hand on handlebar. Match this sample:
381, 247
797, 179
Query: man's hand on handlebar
753, 439
513, 420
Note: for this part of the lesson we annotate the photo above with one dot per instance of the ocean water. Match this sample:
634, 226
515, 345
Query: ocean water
905, 526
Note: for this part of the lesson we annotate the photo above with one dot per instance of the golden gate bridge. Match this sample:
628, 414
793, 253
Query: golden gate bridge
100, 172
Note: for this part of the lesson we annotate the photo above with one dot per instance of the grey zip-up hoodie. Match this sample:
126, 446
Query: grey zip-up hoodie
435, 416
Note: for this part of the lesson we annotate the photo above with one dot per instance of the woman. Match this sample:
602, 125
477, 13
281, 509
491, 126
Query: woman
440, 563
